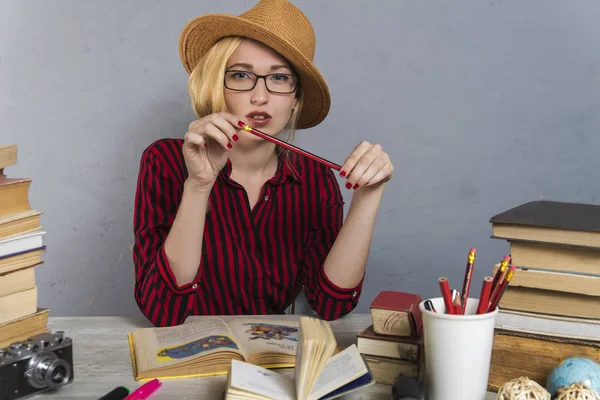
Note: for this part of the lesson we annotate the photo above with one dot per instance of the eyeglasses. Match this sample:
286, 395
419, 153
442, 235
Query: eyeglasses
244, 81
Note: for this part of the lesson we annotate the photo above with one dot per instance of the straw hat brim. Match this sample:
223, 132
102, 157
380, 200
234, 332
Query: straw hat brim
202, 32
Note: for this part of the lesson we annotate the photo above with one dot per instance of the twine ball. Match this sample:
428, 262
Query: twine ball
577, 391
523, 388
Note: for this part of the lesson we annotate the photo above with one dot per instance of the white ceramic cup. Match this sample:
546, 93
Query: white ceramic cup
458, 350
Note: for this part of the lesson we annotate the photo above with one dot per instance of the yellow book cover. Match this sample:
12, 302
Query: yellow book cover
206, 346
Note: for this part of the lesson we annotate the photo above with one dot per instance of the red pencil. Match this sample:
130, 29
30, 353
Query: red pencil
456, 301
500, 273
445, 289
503, 286
455, 296
288, 146
467, 281
484, 297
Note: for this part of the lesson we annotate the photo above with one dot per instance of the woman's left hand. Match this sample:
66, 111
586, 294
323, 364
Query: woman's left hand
367, 166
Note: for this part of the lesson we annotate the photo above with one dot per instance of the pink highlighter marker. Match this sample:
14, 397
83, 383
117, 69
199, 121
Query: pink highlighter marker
145, 391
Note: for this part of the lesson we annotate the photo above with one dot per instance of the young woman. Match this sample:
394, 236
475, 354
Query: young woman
229, 223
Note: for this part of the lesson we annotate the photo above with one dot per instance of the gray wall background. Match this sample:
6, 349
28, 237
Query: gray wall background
482, 105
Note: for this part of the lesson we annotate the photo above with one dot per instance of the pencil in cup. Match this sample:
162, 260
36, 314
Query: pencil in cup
429, 306
467, 281
484, 297
288, 146
501, 271
456, 301
499, 276
445, 289
496, 300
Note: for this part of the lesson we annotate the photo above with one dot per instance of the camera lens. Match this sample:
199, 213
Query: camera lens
59, 373
48, 371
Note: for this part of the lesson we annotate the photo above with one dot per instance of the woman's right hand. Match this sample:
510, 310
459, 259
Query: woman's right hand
206, 146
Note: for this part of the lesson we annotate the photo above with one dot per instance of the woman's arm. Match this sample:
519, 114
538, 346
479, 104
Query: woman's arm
158, 195
182, 245
174, 184
327, 298
367, 169
345, 264
205, 151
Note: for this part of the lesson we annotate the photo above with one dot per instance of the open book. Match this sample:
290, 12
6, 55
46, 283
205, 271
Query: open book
206, 346
318, 373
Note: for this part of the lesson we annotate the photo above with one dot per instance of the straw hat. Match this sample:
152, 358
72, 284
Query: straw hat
279, 25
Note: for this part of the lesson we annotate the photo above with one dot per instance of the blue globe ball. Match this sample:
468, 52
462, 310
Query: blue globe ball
571, 370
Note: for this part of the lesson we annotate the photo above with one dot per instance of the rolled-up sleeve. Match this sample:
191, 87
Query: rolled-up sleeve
325, 298
157, 198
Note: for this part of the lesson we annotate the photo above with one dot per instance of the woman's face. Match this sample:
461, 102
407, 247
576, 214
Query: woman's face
266, 110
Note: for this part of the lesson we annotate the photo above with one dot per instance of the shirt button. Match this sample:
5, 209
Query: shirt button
354, 294
266, 197
195, 286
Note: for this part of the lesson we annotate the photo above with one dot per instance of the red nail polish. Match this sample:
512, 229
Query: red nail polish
204, 144
355, 186
235, 138
348, 185
343, 174
229, 145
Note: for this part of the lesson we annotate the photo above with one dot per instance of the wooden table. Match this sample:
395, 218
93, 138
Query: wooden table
102, 360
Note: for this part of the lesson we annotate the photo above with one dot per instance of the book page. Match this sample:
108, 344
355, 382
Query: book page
166, 346
318, 358
257, 380
259, 335
341, 369
305, 349
300, 351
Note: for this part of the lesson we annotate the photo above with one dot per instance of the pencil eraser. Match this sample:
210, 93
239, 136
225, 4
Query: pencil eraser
472, 250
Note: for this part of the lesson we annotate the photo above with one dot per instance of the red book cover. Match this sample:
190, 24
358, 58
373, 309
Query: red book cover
401, 301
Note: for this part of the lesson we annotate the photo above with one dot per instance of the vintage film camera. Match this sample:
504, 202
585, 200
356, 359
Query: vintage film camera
41, 363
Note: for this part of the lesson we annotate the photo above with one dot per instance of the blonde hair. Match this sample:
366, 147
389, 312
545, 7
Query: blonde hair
206, 86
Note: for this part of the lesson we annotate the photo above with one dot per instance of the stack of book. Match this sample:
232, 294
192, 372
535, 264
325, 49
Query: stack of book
393, 344
552, 305
21, 250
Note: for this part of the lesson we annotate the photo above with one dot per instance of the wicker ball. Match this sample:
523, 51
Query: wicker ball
522, 389
576, 391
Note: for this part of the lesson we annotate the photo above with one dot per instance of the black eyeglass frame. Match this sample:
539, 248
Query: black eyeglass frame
260, 77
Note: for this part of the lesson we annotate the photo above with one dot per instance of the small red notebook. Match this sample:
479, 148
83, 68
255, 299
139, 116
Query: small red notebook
397, 314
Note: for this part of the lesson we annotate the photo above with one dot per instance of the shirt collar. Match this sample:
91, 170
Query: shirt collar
287, 169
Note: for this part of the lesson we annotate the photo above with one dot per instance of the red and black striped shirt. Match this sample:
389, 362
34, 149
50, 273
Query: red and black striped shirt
254, 261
